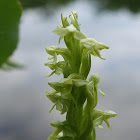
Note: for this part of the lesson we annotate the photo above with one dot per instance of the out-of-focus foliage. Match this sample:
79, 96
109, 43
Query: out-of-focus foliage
41, 3
10, 13
132, 5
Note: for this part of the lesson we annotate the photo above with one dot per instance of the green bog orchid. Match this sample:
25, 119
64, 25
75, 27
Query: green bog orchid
75, 95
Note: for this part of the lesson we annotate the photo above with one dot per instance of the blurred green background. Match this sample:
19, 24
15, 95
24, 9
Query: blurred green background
26, 30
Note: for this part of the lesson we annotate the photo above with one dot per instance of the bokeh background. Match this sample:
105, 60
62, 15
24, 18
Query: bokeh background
23, 104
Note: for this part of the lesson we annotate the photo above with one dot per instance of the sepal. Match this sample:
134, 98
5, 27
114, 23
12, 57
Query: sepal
62, 32
61, 103
94, 46
99, 116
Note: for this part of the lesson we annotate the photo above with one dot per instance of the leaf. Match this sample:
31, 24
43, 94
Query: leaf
67, 70
68, 131
10, 13
10, 64
91, 98
87, 127
86, 64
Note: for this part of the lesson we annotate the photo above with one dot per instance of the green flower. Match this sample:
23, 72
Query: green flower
74, 94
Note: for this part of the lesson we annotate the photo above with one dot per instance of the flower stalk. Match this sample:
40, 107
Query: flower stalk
74, 94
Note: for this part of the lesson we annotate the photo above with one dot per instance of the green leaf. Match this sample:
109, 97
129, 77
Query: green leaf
86, 64
87, 127
68, 131
10, 13
67, 70
10, 65
91, 98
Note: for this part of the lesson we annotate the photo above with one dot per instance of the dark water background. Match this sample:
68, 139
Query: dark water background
23, 103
